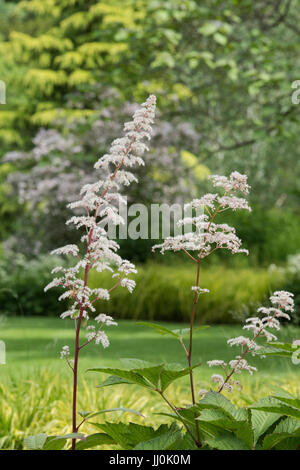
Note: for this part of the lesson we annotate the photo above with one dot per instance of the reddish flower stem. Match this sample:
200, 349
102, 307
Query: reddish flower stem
82, 303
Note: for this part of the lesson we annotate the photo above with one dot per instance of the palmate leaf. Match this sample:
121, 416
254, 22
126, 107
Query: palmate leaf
130, 435
146, 374
170, 373
177, 333
128, 377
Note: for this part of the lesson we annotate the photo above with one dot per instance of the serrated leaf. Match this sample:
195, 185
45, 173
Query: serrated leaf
162, 442
169, 375
275, 405
262, 421
113, 380
129, 435
289, 425
185, 442
147, 374
275, 439
226, 441
129, 376
240, 428
217, 400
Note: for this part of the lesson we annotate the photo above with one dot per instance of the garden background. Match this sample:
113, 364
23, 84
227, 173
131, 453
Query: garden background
74, 71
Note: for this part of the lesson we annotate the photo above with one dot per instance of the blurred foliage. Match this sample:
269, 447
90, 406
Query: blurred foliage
25, 409
222, 68
22, 283
166, 296
164, 293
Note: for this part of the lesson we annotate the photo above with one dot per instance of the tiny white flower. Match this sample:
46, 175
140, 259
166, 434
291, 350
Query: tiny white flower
65, 352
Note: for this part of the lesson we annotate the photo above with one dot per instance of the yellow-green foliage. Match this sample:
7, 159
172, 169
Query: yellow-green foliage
40, 402
164, 293
77, 42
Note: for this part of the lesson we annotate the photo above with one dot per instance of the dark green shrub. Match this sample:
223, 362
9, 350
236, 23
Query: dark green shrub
22, 283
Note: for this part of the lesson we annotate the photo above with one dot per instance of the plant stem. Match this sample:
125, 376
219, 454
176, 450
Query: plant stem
86, 272
246, 350
189, 356
173, 408
76, 356
195, 301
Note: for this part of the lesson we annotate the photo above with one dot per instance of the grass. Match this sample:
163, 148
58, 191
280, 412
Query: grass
35, 385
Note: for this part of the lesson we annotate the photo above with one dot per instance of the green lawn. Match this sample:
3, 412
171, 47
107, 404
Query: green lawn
35, 385
33, 343
36, 342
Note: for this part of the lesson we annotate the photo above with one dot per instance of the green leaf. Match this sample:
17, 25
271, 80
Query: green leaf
113, 380
162, 442
240, 428
129, 376
171, 373
147, 370
72, 435
274, 405
162, 330
285, 435
110, 410
178, 333
185, 442
275, 439
218, 401
130, 435
58, 442
35, 442
288, 425
277, 349
226, 441
54, 444
261, 421
94, 440
155, 377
